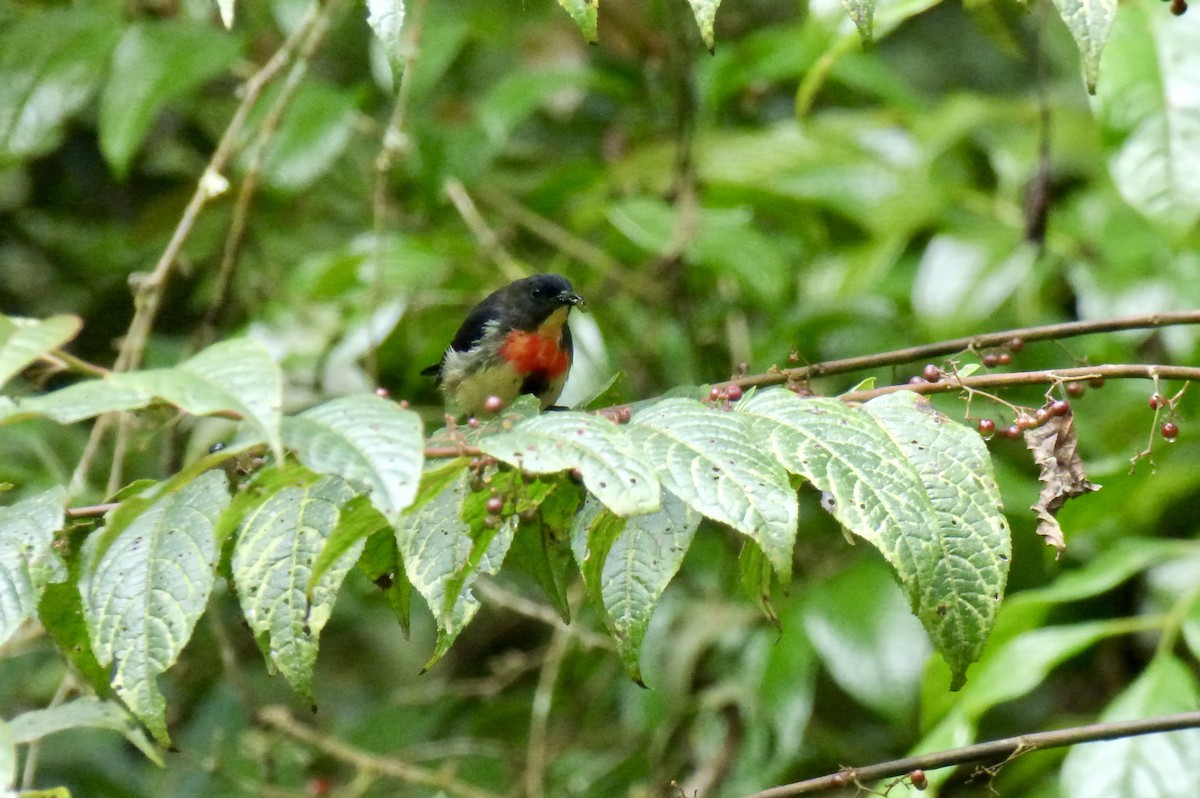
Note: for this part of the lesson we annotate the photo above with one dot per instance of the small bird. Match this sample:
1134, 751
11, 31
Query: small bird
516, 341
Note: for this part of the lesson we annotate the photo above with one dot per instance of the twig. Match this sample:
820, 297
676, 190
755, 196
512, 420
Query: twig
394, 142
539, 612
539, 716
928, 351
1047, 377
258, 150
489, 242
65, 687
93, 510
994, 750
281, 720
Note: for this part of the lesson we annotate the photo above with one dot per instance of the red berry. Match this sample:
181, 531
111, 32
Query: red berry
917, 777
1042, 415
1075, 389
381, 392
1060, 407
404, 404
1026, 421
495, 504
1156, 401
990, 359
1170, 430
1004, 358
714, 394
931, 373
494, 404
1179, 7
473, 422
733, 393
914, 380
1096, 382
1016, 345
1013, 432
986, 427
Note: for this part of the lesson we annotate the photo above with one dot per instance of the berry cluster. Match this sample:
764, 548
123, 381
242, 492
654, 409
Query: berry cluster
1025, 419
1157, 402
724, 395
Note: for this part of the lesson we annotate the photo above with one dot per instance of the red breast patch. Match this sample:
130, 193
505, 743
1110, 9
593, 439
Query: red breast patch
529, 352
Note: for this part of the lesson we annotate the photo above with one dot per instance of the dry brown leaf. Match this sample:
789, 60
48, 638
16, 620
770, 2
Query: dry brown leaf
1054, 449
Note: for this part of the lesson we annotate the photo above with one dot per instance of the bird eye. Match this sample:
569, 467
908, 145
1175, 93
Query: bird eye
537, 293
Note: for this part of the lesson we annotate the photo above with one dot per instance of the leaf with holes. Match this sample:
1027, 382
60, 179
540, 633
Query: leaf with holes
144, 593
28, 561
23, 341
715, 463
628, 563
365, 440
272, 564
597, 447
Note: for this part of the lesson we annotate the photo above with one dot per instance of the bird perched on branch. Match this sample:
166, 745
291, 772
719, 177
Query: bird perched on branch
516, 341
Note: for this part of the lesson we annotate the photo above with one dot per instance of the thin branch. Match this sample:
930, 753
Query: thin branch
539, 716
394, 143
996, 750
539, 612
955, 345
93, 510
489, 242
280, 719
258, 150
1047, 377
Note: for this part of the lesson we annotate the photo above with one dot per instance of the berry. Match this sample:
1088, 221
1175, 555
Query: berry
1016, 345
1179, 7
986, 427
714, 394
1157, 401
913, 380
495, 504
473, 422
917, 777
494, 404
1170, 430
1026, 421
1075, 389
1004, 358
381, 393
990, 359
403, 404
1042, 415
931, 373
1096, 382
1060, 407
1013, 432
733, 393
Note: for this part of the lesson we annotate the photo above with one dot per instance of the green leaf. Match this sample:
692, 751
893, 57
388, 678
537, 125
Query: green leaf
312, 135
357, 521
917, 487
363, 439
1089, 22
226, 9
50, 63
87, 712
871, 645
955, 577
272, 565
862, 12
586, 15
75, 402
28, 561
386, 18
434, 544
628, 563
236, 376
143, 593
541, 547
380, 561
155, 63
600, 449
713, 461
23, 341
1150, 109
705, 12
1150, 765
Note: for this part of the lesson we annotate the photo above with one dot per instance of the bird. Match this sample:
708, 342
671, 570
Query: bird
516, 341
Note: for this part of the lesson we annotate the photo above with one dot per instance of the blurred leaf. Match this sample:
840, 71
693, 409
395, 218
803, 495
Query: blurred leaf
28, 560
862, 12
312, 135
1089, 22
23, 341
50, 63
600, 449
155, 64
386, 18
75, 402
1150, 765
706, 14
710, 460
366, 440
585, 13
83, 712
226, 9
272, 567
871, 645
144, 592
628, 563
1149, 105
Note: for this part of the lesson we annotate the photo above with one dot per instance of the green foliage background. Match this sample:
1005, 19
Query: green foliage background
791, 192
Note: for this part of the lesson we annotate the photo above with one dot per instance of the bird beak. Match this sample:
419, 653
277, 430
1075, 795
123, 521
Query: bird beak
567, 298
